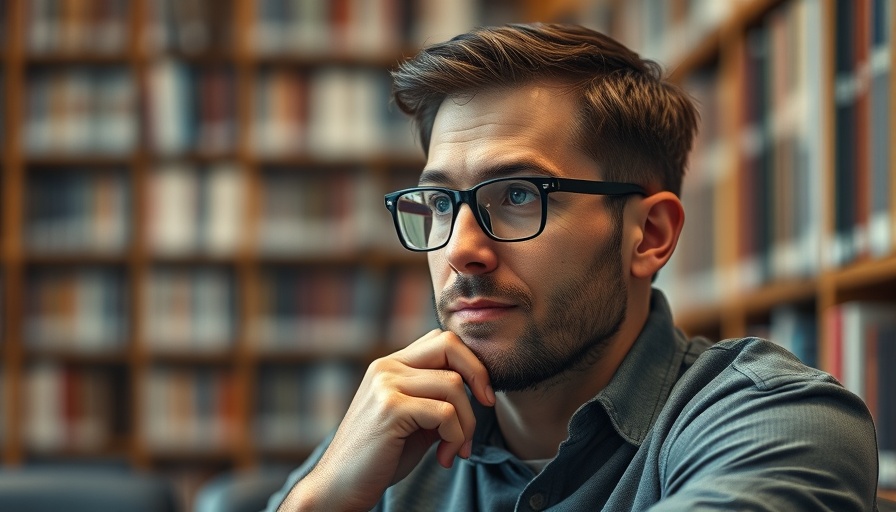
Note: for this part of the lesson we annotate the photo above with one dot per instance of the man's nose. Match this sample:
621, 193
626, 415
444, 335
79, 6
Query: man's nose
470, 250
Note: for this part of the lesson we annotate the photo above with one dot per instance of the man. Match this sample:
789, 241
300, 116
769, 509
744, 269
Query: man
548, 203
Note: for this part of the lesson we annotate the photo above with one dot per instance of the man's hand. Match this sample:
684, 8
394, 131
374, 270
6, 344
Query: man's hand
406, 402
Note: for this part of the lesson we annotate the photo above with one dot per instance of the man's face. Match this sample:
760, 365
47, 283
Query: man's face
535, 310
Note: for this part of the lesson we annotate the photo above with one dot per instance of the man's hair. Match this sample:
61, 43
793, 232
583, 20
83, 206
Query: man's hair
634, 124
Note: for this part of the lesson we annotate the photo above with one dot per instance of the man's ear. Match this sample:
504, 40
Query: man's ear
660, 218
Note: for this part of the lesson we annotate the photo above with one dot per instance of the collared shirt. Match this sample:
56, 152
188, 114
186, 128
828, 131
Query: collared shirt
682, 425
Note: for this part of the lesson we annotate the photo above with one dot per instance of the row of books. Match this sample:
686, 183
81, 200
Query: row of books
3, 414
863, 353
77, 210
80, 110
321, 213
191, 26
334, 112
297, 407
67, 408
355, 27
661, 30
189, 409
202, 209
331, 112
692, 276
327, 311
359, 27
779, 162
327, 113
192, 108
185, 309
863, 171
190, 310
412, 312
781, 150
368, 28
76, 26
196, 209
71, 408
70, 309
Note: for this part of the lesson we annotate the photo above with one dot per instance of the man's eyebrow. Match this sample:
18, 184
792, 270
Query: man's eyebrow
442, 177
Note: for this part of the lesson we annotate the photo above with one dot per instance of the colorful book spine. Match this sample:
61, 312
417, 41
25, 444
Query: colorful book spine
322, 312
80, 111
197, 210
189, 409
296, 408
83, 310
67, 408
78, 211
190, 310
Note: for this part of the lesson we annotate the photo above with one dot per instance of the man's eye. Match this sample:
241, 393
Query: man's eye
441, 205
520, 196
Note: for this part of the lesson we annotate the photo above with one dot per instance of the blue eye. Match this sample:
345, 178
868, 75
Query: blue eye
520, 196
441, 205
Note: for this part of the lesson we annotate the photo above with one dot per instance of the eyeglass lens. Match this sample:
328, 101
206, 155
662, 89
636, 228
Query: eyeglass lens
508, 210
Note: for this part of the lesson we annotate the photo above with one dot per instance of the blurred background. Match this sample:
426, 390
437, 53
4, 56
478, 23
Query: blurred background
196, 265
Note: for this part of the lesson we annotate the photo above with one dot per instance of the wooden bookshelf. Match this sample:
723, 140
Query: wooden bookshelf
860, 276
123, 92
717, 45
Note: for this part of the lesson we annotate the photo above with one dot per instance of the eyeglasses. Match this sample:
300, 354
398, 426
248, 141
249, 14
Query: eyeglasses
507, 209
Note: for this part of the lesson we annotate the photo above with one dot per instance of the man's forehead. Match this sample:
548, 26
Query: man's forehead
500, 131
447, 177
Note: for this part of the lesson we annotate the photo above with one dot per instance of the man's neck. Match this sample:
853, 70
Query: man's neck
534, 422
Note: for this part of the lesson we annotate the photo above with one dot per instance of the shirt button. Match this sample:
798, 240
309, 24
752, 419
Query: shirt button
537, 501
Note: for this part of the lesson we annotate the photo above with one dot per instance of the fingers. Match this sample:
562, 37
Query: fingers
442, 386
444, 349
441, 417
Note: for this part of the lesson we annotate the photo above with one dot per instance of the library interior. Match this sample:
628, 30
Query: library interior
196, 266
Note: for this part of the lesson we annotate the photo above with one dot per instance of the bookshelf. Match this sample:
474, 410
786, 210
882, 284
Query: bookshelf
194, 256
791, 217
164, 228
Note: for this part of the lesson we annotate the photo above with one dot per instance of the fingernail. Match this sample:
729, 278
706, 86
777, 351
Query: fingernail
490, 393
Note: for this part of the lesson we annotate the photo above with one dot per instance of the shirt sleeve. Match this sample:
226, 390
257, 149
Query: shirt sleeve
767, 440
299, 473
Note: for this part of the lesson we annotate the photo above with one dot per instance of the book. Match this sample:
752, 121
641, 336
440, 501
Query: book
80, 310
80, 110
297, 407
411, 312
324, 312
67, 408
197, 209
315, 212
187, 409
190, 310
78, 211
880, 221
76, 26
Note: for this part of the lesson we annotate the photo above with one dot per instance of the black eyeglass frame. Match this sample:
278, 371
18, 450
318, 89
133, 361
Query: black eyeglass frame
544, 184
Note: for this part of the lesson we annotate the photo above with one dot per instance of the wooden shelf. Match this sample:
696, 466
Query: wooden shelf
78, 356
78, 59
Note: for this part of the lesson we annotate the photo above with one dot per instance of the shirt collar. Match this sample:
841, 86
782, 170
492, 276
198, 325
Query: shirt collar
635, 396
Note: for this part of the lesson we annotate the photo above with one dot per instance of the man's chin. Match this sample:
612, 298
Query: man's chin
480, 332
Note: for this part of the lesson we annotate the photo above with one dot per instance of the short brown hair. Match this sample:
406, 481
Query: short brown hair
637, 126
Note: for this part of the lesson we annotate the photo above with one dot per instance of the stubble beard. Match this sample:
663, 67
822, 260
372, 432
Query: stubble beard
583, 316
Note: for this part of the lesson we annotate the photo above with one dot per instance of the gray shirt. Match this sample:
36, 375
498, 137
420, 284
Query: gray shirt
683, 425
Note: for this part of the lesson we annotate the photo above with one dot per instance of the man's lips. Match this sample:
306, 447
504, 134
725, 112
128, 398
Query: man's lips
479, 309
